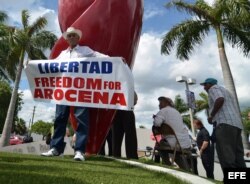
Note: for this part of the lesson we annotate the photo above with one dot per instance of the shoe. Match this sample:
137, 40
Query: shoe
79, 156
52, 152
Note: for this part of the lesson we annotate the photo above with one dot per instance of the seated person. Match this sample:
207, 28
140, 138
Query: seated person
156, 138
169, 115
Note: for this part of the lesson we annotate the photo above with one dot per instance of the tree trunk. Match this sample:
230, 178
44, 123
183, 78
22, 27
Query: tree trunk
10, 114
228, 79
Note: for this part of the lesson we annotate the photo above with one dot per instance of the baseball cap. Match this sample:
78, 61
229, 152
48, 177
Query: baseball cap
209, 81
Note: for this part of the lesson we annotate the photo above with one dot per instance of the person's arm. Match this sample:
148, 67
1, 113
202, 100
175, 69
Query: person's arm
203, 146
217, 105
158, 119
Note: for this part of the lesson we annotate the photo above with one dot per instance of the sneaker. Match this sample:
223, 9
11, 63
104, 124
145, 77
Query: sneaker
52, 152
79, 156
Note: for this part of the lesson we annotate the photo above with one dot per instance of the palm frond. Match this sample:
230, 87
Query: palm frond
37, 26
25, 19
4, 75
3, 16
35, 53
186, 35
12, 60
202, 104
44, 39
21, 38
236, 12
204, 96
200, 9
237, 37
180, 105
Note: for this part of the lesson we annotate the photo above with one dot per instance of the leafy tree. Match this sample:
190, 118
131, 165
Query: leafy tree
180, 104
41, 127
3, 47
142, 127
20, 127
5, 95
30, 40
202, 104
246, 120
3, 16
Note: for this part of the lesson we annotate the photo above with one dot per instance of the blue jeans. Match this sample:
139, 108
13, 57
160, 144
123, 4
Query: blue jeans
61, 119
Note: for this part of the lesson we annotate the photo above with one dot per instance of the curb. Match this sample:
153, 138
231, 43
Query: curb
178, 174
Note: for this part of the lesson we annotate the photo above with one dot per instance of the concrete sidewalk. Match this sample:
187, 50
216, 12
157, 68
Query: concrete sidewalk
194, 179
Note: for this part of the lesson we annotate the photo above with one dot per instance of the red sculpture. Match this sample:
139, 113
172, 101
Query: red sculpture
111, 27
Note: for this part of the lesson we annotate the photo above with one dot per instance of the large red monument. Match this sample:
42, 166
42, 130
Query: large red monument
111, 27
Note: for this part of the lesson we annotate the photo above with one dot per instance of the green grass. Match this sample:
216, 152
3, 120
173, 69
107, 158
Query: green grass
31, 169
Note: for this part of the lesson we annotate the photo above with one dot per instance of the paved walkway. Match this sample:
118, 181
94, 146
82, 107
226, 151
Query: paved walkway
194, 179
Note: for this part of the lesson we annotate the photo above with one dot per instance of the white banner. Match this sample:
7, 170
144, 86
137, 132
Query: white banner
88, 82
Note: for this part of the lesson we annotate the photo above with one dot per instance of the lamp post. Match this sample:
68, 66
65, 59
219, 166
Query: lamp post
188, 81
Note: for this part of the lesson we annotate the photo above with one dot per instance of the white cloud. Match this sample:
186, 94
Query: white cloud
43, 111
151, 12
16, 5
13, 9
210, 2
155, 74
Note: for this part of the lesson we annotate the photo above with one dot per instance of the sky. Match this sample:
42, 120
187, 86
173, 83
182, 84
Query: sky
154, 74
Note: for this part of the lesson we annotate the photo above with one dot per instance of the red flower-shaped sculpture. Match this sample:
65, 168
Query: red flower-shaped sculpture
111, 27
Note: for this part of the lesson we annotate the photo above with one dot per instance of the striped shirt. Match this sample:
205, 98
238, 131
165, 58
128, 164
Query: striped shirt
228, 113
173, 118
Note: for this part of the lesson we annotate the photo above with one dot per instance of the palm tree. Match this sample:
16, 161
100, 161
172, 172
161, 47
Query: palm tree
182, 107
180, 104
202, 104
230, 19
31, 40
3, 46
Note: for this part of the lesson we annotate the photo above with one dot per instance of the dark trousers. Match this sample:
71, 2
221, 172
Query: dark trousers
61, 119
183, 163
109, 140
195, 162
208, 164
124, 123
157, 158
229, 146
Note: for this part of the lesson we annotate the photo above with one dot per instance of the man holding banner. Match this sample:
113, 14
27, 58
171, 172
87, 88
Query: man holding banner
72, 36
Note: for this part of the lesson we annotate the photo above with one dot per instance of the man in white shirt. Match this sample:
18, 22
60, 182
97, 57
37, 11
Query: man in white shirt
72, 36
223, 111
169, 115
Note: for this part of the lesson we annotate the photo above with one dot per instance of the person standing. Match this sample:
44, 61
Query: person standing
124, 123
223, 111
72, 36
203, 142
108, 139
